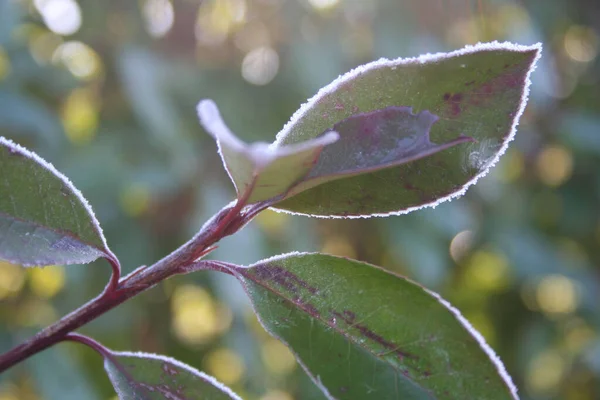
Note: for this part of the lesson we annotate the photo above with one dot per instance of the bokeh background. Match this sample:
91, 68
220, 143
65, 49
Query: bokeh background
106, 90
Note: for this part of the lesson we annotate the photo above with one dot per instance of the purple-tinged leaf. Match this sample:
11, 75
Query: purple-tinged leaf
479, 92
364, 333
265, 170
44, 219
373, 141
143, 376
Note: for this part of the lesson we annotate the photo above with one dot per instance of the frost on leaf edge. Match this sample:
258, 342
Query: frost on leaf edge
203, 376
12, 146
422, 59
259, 154
481, 341
475, 334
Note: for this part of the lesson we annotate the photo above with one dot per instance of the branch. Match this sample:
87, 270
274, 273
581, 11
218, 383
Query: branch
226, 222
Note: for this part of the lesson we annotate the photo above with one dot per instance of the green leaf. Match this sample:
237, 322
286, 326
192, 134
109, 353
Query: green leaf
44, 219
144, 376
363, 333
374, 141
258, 170
479, 91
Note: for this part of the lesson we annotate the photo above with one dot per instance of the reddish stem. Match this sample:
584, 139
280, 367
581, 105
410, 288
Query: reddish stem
89, 342
115, 276
226, 222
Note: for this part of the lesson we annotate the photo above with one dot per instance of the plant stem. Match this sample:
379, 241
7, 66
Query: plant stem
226, 222
89, 342
115, 276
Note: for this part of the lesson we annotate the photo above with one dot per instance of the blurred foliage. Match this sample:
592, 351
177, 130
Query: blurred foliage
107, 90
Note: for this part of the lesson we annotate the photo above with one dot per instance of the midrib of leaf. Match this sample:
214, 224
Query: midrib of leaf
347, 336
111, 359
61, 232
309, 181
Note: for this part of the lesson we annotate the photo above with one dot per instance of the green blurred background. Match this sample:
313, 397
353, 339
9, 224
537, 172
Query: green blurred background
106, 91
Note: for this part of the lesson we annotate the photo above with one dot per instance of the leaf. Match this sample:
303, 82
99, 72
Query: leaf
363, 333
44, 219
373, 141
479, 92
261, 171
144, 376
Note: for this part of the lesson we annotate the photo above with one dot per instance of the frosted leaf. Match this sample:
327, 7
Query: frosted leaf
44, 219
267, 171
145, 376
479, 91
396, 340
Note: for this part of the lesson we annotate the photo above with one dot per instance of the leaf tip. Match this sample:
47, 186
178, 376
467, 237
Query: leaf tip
208, 113
328, 138
211, 120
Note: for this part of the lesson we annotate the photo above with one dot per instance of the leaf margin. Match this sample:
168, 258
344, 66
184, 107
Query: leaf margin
202, 375
421, 59
476, 335
259, 155
14, 147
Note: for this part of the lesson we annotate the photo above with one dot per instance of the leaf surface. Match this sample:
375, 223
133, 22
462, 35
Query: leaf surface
266, 171
374, 141
44, 219
479, 92
144, 376
363, 333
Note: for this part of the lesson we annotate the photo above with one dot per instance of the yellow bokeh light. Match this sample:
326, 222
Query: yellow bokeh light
60, 16
48, 281
461, 245
545, 373
272, 223
79, 58
464, 30
510, 17
277, 357
482, 323
159, 17
260, 65
578, 335
9, 391
80, 116
581, 43
13, 278
4, 64
554, 165
512, 166
277, 395
225, 365
527, 293
35, 313
43, 44
338, 246
487, 271
197, 318
135, 200
557, 294
323, 5
217, 19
